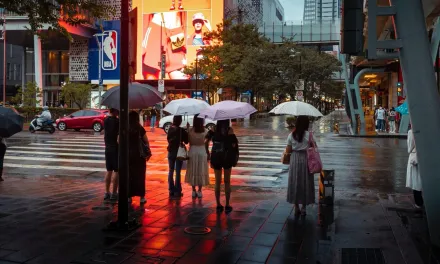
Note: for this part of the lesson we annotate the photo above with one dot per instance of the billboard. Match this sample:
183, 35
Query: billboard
108, 52
171, 33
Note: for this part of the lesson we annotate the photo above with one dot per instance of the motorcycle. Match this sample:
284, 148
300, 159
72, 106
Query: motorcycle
48, 126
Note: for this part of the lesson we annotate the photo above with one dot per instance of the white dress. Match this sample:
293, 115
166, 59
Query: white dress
197, 172
413, 179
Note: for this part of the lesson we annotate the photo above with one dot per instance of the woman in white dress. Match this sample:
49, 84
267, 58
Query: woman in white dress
301, 183
413, 179
197, 173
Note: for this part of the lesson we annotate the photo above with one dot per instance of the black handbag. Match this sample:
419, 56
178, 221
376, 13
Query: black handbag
144, 149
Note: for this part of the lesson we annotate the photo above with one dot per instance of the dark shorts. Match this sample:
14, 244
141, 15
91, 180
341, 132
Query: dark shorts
219, 161
112, 159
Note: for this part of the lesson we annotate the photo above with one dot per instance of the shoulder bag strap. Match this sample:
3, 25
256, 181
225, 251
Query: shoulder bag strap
311, 142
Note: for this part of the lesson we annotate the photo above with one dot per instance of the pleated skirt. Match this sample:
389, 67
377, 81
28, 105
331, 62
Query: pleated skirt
197, 172
301, 184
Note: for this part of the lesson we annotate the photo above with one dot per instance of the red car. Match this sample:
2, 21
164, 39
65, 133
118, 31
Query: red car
83, 119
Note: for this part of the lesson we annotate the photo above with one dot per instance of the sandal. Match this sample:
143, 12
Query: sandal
228, 209
220, 208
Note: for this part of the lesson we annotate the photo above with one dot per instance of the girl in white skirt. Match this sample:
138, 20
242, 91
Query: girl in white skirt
197, 173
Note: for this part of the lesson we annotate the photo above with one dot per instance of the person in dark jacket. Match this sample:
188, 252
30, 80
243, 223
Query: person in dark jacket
176, 136
224, 156
137, 164
111, 134
2, 156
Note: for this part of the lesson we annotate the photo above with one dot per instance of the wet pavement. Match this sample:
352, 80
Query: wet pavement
51, 208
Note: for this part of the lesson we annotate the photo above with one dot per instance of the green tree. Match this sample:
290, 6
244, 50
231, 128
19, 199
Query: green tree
29, 96
55, 14
77, 93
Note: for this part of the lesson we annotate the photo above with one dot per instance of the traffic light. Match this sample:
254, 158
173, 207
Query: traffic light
399, 89
352, 27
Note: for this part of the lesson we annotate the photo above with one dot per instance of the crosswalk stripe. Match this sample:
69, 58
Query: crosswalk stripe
76, 143
72, 168
62, 149
260, 157
55, 153
54, 159
67, 145
259, 162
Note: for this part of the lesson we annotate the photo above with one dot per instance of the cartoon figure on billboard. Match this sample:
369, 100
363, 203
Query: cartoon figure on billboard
173, 5
165, 30
198, 38
109, 58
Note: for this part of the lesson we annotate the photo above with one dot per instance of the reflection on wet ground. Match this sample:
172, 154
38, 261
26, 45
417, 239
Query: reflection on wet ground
61, 211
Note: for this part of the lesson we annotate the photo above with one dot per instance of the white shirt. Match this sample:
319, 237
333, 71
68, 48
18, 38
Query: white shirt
297, 146
380, 114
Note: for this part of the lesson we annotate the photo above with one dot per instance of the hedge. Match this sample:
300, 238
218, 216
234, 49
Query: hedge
30, 112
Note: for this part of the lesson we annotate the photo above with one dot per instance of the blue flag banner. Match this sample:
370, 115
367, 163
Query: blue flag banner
403, 108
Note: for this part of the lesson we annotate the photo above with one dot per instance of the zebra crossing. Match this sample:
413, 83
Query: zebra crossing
84, 156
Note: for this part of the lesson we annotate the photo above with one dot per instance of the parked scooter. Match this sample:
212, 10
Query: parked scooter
48, 126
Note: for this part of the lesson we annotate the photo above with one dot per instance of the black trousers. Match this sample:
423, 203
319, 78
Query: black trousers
2, 154
418, 198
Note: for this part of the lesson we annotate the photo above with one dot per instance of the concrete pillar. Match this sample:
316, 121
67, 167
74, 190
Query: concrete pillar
38, 60
423, 103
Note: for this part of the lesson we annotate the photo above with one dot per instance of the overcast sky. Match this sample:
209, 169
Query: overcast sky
293, 9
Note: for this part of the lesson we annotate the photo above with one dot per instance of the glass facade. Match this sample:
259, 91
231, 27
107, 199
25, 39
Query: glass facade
55, 68
321, 10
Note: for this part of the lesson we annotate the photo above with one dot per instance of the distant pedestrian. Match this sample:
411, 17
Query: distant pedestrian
392, 120
301, 184
197, 173
176, 136
141, 117
2, 156
111, 134
137, 164
380, 116
413, 179
224, 156
153, 114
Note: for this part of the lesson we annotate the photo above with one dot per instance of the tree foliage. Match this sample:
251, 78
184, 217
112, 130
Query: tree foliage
241, 57
77, 93
29, 96
55, 14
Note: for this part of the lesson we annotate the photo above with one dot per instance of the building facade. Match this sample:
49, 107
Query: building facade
273, 12
14, 69
317, 11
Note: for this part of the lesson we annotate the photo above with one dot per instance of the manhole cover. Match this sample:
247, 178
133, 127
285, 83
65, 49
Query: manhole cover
100, 208
197, 230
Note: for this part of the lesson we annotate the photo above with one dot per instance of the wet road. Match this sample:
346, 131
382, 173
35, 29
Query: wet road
377, 165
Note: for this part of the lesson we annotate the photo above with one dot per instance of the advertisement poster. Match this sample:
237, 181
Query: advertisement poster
176, 29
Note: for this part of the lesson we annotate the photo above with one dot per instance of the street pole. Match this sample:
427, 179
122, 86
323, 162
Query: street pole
123, 222
197, 75
4, 58
100, 68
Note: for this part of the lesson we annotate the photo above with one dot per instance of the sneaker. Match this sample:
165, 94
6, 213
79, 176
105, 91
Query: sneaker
143, 200
107, 196
114, 196
199, 194
194, 194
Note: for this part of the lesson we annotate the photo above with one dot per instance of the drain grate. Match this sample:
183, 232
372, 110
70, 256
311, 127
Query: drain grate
197, 230
362, 255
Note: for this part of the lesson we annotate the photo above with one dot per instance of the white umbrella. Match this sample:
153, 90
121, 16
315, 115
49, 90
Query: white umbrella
227, 110
186, 106
296, 108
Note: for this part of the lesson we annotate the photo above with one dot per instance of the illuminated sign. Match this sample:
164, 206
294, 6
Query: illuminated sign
175, 29
109, 50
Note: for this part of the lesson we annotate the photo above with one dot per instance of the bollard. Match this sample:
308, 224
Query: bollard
326, 187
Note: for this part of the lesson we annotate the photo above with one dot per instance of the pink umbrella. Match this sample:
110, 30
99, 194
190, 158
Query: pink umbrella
227, 110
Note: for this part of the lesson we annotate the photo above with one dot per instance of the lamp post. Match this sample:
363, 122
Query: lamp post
4, 55
97, 36
197, 75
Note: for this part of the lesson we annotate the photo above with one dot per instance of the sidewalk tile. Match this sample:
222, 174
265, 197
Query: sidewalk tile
256, 253
265, 239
